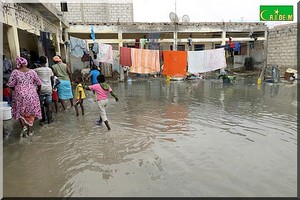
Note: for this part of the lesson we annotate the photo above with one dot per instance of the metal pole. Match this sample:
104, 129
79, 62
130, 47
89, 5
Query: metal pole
175, 35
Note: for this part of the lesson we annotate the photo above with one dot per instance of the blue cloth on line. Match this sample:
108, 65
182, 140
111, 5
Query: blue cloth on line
64, 90
93, 36
95, 47
77, 46
237, 46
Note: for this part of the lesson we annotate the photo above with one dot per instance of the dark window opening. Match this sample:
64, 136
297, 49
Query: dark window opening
198, 47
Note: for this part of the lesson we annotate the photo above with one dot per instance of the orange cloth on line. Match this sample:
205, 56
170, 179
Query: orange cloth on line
175, 63
144, 61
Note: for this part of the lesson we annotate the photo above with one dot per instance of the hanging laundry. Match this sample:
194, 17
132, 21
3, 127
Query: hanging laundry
106, 69
144, 61
45, 39
237, 46
85, 57
105, 53
206, 61
116, 61
175, 63
143, 42
93, 36
137, 43
77, 46
125, 56
95, 48
153, 41
196, 61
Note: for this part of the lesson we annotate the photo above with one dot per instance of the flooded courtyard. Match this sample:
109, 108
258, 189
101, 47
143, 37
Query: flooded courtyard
196, 138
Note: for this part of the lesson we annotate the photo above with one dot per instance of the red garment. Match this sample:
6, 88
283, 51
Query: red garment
6, 92
54, 96
175, 63
137, 43
232, 45
28, 119
125, 56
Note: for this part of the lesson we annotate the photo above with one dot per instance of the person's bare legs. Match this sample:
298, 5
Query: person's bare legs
25, 128
107, 125
82, 108
30, 130
62, 103
71, 101
99, 122
43, 114
49, 112
76, 109
55, 106
22, 123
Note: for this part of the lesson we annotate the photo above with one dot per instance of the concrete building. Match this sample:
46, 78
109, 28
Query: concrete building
24, 26
89, 12
113, 24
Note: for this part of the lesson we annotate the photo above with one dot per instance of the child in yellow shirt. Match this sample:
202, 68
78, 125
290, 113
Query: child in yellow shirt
79, 95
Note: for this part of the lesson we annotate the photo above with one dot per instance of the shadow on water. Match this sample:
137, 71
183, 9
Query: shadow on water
185, 138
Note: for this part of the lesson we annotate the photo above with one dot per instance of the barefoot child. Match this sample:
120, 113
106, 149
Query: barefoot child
102, 90
79, 95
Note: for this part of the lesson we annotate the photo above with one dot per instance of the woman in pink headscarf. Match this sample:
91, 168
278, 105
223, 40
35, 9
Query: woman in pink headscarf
26, 85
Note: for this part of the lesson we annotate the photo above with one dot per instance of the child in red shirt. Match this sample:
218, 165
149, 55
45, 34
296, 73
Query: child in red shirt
6, 94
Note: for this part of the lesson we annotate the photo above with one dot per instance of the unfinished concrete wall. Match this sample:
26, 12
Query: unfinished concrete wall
115, 11
282, 47
120, 12
257, 54
74, 12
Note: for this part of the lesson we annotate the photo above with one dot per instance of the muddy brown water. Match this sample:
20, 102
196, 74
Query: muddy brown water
197, 138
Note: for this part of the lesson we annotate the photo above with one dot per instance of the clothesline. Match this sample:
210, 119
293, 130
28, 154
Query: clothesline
145, 61
175, 62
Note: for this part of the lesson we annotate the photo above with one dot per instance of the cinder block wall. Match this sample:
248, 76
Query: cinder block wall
282, 47
121, 11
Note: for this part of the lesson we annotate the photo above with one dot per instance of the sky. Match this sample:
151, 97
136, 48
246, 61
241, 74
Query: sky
206, 10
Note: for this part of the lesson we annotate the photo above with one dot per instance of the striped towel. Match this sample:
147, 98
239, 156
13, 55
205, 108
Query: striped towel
144, 61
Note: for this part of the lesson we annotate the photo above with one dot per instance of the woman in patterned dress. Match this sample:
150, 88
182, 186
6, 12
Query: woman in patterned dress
26, 85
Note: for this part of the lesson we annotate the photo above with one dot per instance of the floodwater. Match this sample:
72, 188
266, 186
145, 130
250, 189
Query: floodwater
196, 138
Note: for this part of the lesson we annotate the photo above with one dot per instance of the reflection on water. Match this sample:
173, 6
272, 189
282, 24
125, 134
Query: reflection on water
186, 138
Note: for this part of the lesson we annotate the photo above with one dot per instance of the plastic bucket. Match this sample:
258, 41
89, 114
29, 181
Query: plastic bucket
3, 104
6, 112
226, 80
177, 79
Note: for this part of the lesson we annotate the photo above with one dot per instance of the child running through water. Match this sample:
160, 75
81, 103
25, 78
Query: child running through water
102, 90
79, 95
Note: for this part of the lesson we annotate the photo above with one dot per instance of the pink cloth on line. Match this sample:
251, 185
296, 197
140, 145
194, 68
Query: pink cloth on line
100, 92
144, 61
125, 56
